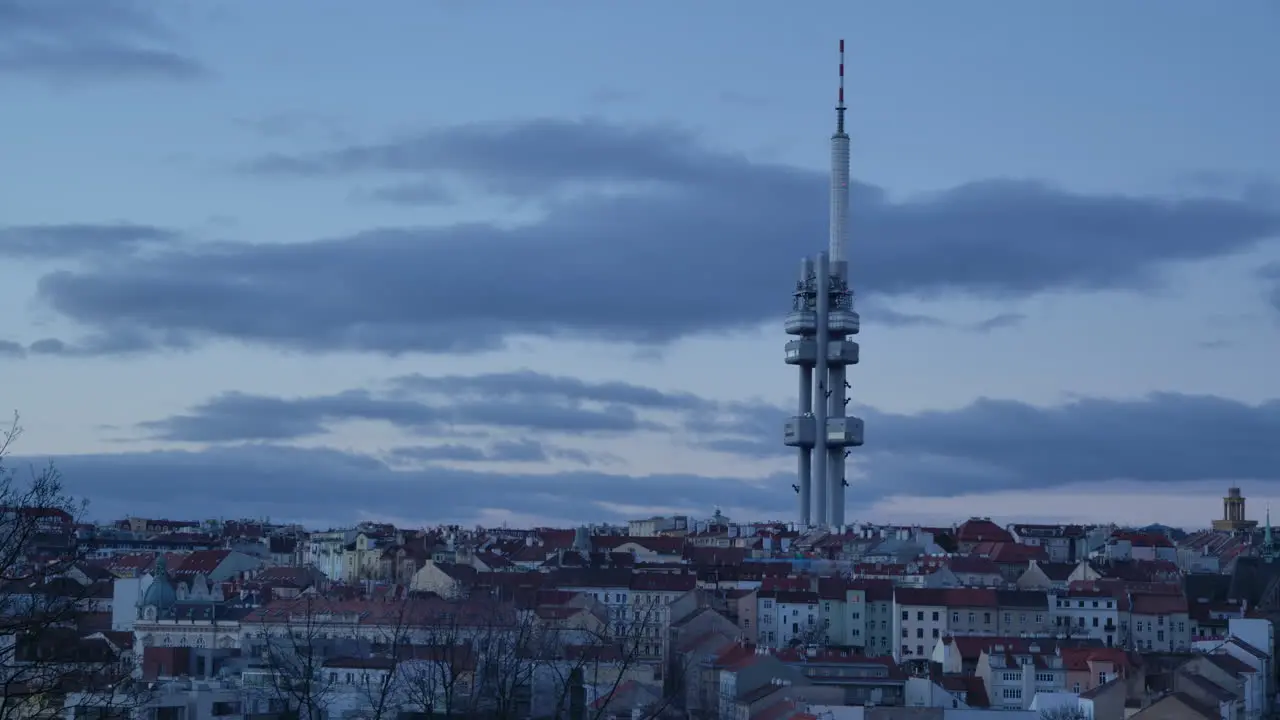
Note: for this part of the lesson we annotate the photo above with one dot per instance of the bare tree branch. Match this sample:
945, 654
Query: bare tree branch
51, 659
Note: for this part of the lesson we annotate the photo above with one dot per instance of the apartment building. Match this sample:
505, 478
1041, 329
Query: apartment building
1093, 613
919, 620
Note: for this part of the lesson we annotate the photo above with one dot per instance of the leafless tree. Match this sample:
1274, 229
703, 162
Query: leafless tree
469, 658
382, 692
47, 593
506, 644
812, 634
604, 659
296, 638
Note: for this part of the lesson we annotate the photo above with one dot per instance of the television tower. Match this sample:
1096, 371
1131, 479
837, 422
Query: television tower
823, 319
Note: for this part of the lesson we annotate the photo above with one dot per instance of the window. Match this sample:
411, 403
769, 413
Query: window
906, 650
1039, 618
1045, 677
906, 615
1008, 618
905, 633
1010, 676
919, 633
1139, 624
920, 650
936, 633
955, 617
826, 607
1108, 604
1076, 688
920, 615
1095, 603
1012, 693
973, 618
1095, 621
856, 615
1160, 636
935, 616
986, 618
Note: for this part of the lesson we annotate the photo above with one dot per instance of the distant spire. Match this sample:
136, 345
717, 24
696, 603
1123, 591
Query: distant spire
1266, 537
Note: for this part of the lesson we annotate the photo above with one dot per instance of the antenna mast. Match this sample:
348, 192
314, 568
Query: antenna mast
840, 105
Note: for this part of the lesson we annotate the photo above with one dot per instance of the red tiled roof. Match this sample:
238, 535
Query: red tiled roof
1141, 539
1010, 553
1159, 604
978, 530
949, 597
876, 590
1078, 658
663, 582
791, 597
200, 561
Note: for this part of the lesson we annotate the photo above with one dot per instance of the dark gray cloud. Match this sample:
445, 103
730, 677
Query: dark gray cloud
80, 40
520, 400
688, 240
985, 446
517, 451
1165, 440
75, 240
534, 385
328, 486
1003, 444
122, 341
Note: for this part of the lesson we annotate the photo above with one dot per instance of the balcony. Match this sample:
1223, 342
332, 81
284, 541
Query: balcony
805, 352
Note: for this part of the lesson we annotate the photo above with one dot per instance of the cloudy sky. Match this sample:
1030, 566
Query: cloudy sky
517, 262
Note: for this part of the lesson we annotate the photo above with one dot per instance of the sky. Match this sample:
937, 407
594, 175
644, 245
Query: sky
488, 262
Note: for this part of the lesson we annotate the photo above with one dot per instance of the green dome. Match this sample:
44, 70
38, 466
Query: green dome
160, 592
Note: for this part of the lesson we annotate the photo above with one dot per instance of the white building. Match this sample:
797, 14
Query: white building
1088, 613
919, 619
786, 615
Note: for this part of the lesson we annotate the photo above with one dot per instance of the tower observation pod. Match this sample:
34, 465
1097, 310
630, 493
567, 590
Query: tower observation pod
823, 320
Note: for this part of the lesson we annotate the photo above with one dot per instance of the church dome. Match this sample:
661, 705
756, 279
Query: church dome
160, 594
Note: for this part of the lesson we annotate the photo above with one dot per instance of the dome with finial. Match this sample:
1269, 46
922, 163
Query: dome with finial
160, 594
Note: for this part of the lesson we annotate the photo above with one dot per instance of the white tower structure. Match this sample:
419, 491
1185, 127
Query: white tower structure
823, 318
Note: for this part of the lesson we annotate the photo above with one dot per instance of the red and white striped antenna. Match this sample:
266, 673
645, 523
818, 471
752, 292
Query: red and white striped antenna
840, 107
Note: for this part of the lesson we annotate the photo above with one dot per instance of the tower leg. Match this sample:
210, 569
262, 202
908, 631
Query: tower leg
804, 470
835, 454
821, 487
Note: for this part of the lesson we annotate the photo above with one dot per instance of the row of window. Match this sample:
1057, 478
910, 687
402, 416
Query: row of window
973, 617
1080, 603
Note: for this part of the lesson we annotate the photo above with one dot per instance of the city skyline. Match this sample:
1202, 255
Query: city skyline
420, 267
